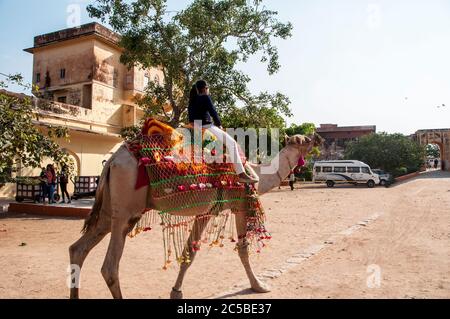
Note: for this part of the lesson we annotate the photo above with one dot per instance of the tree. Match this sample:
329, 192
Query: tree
20, 139
205, 40
391, 152
303, 129
433, 151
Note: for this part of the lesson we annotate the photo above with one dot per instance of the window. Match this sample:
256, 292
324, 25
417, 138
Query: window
318, 169
129, 79
339, 170
38, 77
365, 170
62, 73
146, 81
353, 169
62, 99
327, 169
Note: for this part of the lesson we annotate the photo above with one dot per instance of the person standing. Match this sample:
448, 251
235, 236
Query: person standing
43, 183
291, 180
51, 182
63, 181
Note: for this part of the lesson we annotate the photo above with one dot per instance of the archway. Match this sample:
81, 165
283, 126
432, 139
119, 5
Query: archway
439, 137
76, 169
434, 156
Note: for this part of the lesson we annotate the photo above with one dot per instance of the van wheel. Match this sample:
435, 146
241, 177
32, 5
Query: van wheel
371, 184
382, 182
330, 183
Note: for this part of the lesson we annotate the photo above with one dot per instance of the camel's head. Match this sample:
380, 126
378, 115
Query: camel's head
317, 140
302, 143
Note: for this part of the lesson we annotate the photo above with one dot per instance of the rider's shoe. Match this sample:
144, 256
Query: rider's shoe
244, 178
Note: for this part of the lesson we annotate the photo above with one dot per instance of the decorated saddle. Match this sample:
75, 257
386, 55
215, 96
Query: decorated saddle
187, 189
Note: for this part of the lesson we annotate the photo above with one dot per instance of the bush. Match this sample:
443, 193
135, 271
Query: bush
305, 173
400, 171
394, 153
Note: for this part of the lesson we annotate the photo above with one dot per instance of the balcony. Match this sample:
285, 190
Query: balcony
74, 117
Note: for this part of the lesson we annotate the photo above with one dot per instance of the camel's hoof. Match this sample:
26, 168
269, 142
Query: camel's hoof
74, 293
176, 294
261, 287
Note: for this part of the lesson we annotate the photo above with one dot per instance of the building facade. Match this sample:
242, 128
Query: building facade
83, 86
337, 137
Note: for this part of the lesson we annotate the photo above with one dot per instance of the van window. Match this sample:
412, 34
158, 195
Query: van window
318, 169
339, 170
353, 169
365, 170
327, 169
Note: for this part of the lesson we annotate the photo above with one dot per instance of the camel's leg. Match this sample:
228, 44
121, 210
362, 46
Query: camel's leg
241, 227
81, 248
195, 236
110, 268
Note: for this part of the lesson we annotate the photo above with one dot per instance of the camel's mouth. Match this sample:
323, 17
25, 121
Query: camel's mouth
317, 139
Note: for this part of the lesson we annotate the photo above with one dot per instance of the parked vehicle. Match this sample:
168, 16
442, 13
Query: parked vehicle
385, 178
340, 171
85, 186
30, 188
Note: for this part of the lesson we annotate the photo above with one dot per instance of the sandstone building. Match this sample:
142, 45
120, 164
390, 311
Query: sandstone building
92, 92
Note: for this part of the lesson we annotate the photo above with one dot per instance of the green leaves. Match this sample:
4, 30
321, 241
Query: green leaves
303, 129
205, 40
433, 151
387, 151
20, 138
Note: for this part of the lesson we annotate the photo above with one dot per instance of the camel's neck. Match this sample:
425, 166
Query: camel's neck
270, 176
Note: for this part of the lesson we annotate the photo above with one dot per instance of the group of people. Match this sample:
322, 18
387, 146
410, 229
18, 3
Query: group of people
49, 180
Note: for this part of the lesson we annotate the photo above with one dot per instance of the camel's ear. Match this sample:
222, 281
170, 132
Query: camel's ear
307, 139
286, 139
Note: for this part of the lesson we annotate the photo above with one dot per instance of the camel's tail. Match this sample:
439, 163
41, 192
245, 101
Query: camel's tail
93, 217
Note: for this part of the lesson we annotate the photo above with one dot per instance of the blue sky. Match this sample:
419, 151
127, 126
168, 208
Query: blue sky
349, 62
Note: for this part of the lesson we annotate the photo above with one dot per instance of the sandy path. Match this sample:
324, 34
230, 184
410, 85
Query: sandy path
410, 242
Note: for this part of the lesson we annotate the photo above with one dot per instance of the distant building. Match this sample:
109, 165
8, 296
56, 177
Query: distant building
336, 138
440, 137
91, 92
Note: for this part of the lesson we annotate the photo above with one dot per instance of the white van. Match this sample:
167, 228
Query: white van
352, 172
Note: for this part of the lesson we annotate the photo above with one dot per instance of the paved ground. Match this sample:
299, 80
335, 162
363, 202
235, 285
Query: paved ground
343, 242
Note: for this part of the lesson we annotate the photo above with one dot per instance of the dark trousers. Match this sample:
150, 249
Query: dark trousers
292, 185
43, 191
64, 191
50, 192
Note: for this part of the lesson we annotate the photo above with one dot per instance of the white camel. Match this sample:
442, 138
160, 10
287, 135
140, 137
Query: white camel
118, 207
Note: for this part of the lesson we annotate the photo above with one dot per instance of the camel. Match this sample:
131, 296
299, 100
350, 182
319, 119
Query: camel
118, 207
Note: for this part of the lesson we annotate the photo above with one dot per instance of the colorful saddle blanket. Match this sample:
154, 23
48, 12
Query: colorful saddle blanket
185, 190
178, 170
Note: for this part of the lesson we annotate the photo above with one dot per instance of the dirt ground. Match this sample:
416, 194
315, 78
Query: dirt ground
345, 242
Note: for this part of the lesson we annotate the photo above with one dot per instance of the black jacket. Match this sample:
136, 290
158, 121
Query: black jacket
202, 110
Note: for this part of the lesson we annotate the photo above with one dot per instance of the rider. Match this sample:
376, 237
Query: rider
201, 108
